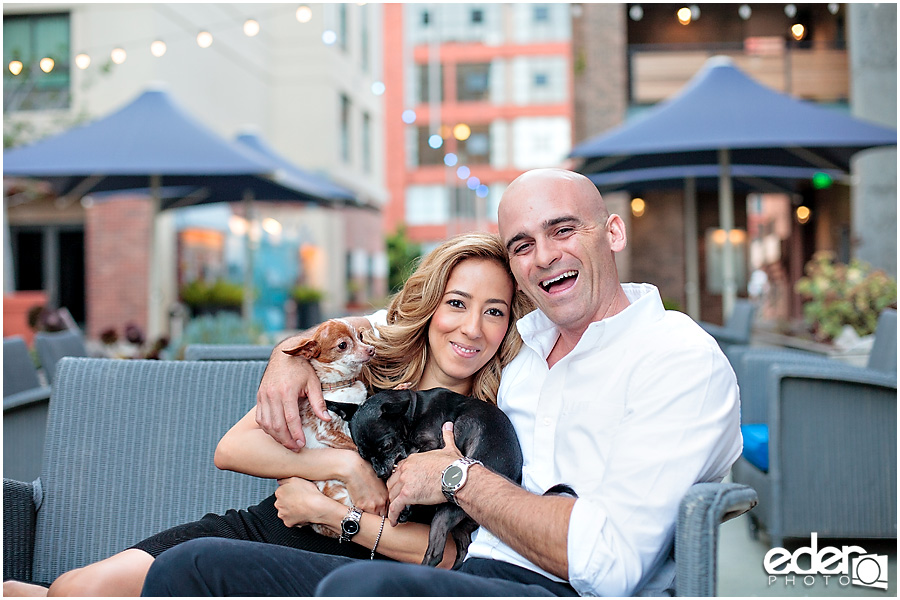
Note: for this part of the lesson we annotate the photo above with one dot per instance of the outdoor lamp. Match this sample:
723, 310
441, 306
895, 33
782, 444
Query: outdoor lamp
47, 64
15, 67
461, 131
204, 39
803, 213
798, 31
638, 206
684, 15
304, 13
158, 48
251, 27
82, 61
118, 55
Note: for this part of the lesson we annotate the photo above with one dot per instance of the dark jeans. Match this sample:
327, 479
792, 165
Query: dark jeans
222, 567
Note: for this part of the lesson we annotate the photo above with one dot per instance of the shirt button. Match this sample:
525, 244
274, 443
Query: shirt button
547, 421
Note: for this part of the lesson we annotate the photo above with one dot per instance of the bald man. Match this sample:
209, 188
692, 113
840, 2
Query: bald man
624, 402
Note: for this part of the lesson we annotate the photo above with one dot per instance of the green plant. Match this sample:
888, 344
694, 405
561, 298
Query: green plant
402, 256
220, 293
304, 294
837, 294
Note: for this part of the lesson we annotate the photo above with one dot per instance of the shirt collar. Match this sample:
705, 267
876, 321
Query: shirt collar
540, 333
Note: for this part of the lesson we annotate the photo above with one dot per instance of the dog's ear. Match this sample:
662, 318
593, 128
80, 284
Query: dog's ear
395, 407
308, 348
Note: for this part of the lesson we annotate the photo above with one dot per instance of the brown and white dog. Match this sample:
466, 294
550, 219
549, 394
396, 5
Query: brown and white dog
337, 352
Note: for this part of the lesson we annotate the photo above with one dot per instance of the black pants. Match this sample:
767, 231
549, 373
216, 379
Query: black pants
221, 567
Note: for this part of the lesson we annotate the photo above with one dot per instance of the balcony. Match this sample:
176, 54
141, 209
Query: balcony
812, 71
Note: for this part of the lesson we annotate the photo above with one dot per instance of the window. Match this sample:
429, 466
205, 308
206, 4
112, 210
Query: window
427, 154
473, 82
477, 15
364, 38
426, 18
367, 143
476, 150
345, 128
28, 39
424, 77
540, 79
541, 13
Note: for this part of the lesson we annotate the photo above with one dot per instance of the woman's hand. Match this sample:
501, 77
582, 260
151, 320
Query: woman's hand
367, 491
299, 502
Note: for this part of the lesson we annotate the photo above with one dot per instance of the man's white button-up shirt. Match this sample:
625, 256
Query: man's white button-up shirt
642, 408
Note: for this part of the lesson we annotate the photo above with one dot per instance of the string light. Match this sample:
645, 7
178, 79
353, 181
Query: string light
82, 61
329, 37
47, 64
638, 206
158, 48
378, 88
204, 39
745, 11
304, 13
251, 27
684, 15
409, 116
435, 141
798, 31
463, 172
461, 131
16, 66
803, 214
118, 55
790, 10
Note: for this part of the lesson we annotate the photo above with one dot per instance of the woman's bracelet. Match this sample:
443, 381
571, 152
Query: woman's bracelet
377, 539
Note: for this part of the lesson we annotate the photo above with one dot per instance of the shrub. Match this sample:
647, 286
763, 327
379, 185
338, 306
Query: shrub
221, 328
837, 294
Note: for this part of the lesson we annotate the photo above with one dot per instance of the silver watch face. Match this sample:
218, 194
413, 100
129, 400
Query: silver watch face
350, 527
452, 476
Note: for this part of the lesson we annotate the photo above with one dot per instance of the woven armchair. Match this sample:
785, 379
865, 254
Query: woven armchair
128, 453
227, 352
737, 328
53, 346
25, 404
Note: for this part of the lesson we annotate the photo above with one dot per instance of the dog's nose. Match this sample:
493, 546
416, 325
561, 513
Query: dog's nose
371, 350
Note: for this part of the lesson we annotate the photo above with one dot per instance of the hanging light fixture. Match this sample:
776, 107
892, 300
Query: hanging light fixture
16, 66
638, 206
803, 214
251, 27
47, 64
304, 13
636, 12
790, 10
684, 15
798, 31
158, 48
82, 61
204, 39
118, 55
744, 11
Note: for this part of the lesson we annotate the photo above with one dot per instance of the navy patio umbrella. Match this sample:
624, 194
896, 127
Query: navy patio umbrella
152, 143
724, 118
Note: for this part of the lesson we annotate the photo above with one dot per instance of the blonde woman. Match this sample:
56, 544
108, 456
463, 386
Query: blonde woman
451, 326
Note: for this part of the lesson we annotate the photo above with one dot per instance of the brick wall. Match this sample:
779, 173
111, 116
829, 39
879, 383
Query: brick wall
117, 240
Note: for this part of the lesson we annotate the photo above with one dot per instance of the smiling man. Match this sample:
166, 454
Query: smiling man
622, 401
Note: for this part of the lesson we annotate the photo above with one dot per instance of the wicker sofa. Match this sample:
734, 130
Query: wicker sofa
129, 452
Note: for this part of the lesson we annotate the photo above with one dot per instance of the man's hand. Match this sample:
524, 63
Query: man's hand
417, 479
367, 491
287, 380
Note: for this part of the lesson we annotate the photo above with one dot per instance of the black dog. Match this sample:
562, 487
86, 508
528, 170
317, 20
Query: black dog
393, 424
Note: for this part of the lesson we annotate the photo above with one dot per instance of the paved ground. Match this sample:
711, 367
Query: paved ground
741, 572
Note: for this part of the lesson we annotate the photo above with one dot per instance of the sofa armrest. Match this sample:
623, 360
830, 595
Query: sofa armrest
26, 397
20, 503
702, 510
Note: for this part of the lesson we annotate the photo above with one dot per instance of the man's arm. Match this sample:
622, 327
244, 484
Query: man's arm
535, 526
287, 381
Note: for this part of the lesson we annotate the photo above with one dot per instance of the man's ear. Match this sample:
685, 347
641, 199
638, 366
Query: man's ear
395, 407
308, 349
615, 228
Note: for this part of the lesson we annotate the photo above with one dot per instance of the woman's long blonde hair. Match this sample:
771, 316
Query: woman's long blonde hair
402, 349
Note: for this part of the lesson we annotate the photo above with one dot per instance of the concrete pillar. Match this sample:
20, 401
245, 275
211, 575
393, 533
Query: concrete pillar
872, 36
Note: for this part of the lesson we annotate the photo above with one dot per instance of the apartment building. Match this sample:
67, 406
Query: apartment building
476, 94
306, 78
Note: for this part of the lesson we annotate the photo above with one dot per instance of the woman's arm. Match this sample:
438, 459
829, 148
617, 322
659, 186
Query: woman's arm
299, 502
246, 448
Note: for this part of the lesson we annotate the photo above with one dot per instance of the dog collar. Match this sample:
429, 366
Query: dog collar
338, 385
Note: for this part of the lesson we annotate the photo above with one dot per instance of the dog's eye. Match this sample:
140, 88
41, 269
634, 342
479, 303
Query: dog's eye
342, 346
359, 335
387, 446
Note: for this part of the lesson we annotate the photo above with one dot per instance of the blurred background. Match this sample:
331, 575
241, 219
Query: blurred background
413, 119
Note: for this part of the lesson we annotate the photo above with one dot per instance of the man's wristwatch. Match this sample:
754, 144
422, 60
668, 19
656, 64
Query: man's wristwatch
350, 524
455, 476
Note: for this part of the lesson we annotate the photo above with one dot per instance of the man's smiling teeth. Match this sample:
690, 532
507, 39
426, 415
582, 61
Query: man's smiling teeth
546, 284
464, 350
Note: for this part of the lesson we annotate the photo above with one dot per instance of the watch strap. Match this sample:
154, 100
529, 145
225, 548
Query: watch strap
464, 463
353, 515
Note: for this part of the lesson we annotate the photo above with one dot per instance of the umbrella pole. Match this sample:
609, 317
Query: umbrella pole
247, 303
691, 253
154, 296
726, 221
